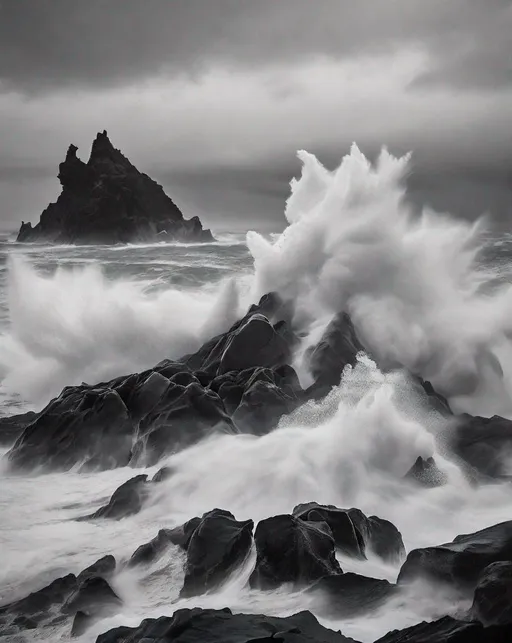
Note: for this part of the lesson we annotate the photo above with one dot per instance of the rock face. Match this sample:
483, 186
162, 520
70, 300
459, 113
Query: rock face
218, 545
354, 533
492, 602
107, 201
218, 626
348, 594
137, 419
460, 562
290, 550
87, 594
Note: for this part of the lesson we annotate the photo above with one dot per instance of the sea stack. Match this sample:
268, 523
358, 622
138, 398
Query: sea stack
108, 201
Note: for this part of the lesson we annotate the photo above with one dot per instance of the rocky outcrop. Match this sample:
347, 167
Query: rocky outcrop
354, 533
218, 545
108, 201
140, 418
209, 626
290, 550
86, 597
492, 600
460, 562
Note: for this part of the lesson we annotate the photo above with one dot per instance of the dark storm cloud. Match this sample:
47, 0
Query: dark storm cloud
49, 43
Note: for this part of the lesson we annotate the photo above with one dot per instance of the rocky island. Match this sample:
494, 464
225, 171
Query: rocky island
108, 201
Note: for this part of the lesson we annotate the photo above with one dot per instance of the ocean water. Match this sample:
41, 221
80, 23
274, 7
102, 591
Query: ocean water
431, 295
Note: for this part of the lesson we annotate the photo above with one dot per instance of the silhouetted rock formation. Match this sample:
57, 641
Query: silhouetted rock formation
107, 201
209, 626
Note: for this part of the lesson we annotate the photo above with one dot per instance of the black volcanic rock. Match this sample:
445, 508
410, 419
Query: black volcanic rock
449, 630
348, 594
460, 562
222, 626
290, 550
218, 545
492, 601
107, 201
126, 500
84, 425
337, 348
354, 532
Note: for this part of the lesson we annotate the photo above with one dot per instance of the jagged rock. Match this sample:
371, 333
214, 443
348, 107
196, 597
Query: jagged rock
83, 425
93, 597
141, 392
449, 630
12, 427
354, 532
107, 200
337, 348
266, 396
348, 594
126, 500
183, 415
255, 343
181, 535
218, 545
483, 443
426, 473
222, 626
36, 608
290, 550
102, 567
460, 562
492, 602
150, 551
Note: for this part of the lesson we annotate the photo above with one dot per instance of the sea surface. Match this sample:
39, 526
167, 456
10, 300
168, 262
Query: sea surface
434, 298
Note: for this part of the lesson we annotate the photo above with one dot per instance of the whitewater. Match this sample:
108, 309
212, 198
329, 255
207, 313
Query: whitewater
429, 294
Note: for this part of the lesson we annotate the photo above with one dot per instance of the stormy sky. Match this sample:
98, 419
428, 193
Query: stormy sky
213, 97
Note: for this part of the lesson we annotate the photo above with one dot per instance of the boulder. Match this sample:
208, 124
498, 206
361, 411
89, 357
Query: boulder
126, 500
84, 425
460, 562
218, 545
348, 595
354, 532
108, 201
181, 535
492, 602
426, 473
290, 550
222, 626
449, 630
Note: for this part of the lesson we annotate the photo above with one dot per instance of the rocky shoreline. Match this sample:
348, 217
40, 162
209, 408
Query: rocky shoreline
108, 201
242, 382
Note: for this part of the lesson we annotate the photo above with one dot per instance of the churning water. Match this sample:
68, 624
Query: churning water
428, 293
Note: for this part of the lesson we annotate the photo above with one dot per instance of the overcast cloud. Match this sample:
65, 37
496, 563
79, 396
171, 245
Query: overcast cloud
213, 97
